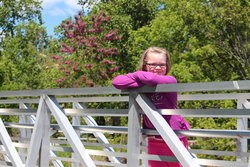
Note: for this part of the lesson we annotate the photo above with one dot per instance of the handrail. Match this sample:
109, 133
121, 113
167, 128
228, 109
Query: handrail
180, 87
188, 97
50, 98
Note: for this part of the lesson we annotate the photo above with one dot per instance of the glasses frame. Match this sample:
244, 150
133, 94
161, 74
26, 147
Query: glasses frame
154, 65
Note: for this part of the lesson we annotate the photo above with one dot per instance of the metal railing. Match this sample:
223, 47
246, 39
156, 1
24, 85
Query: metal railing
46, 132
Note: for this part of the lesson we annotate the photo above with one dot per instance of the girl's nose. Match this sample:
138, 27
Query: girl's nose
158, 67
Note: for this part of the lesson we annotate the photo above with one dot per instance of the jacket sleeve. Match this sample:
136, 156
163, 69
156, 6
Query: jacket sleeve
140, 78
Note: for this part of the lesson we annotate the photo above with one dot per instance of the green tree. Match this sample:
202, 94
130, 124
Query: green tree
21, 56
126, 16
13, 12
207, 41
203, 37
49, 69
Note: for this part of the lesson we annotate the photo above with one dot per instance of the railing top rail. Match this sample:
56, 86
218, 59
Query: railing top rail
196, 87
118, 98
180, 87
61, 91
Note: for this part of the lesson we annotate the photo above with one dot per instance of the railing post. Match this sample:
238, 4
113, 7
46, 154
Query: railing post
39, 144
75, 121
242, 124
134, 132
144, 150
24, 133
45, 145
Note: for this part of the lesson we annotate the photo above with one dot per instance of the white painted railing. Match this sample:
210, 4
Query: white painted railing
52, 135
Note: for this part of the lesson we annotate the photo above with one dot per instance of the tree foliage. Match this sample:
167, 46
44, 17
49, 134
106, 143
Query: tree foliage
207, 41
13, 12
20, 57
203, 37
87, 55
126, 16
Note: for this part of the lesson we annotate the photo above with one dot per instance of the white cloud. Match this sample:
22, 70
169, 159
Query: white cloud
61, 7
57, 12
73, 4
71, 11
49, 3
67, 3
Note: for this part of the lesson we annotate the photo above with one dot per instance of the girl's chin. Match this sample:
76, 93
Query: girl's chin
159, 73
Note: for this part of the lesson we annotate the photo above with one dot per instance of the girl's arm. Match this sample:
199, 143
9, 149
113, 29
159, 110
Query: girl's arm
141, 78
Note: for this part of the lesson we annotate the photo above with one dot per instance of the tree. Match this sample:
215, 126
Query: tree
87, 55
207, 41
13, 12
126, 16
21, 56
203, 37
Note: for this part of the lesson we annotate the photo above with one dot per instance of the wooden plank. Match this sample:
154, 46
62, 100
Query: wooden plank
96, 112
61, 91
85, 128
8, 111
70, 112
220, 153
215, 133
123, 130
92, 152
221, 163
158, 158
221, 96
70, 99
206, 133
224, 113
59, 141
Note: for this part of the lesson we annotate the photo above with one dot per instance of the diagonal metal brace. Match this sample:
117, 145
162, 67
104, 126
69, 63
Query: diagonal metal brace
69, 132
8, 145
166, 132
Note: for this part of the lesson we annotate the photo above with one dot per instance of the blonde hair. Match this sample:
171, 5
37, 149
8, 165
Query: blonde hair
158, 50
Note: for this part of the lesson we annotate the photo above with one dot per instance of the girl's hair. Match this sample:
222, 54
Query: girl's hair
158, 50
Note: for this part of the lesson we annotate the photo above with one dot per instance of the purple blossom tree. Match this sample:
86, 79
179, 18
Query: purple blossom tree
87, 52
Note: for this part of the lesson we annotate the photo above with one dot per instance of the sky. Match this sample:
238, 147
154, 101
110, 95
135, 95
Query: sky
54, 11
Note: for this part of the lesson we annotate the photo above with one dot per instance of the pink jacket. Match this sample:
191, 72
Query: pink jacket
166, 100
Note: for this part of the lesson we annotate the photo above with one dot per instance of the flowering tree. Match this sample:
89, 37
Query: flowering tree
86, 58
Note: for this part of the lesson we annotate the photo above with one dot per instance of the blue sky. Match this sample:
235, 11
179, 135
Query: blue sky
54, 11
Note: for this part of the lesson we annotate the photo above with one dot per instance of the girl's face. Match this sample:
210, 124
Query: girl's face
156, 63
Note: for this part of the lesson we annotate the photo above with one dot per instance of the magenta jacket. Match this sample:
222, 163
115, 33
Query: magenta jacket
166, 100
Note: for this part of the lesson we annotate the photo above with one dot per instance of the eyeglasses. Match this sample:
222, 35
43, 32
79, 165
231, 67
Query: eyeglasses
152, 65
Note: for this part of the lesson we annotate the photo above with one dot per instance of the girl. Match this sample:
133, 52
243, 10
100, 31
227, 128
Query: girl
153, 69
